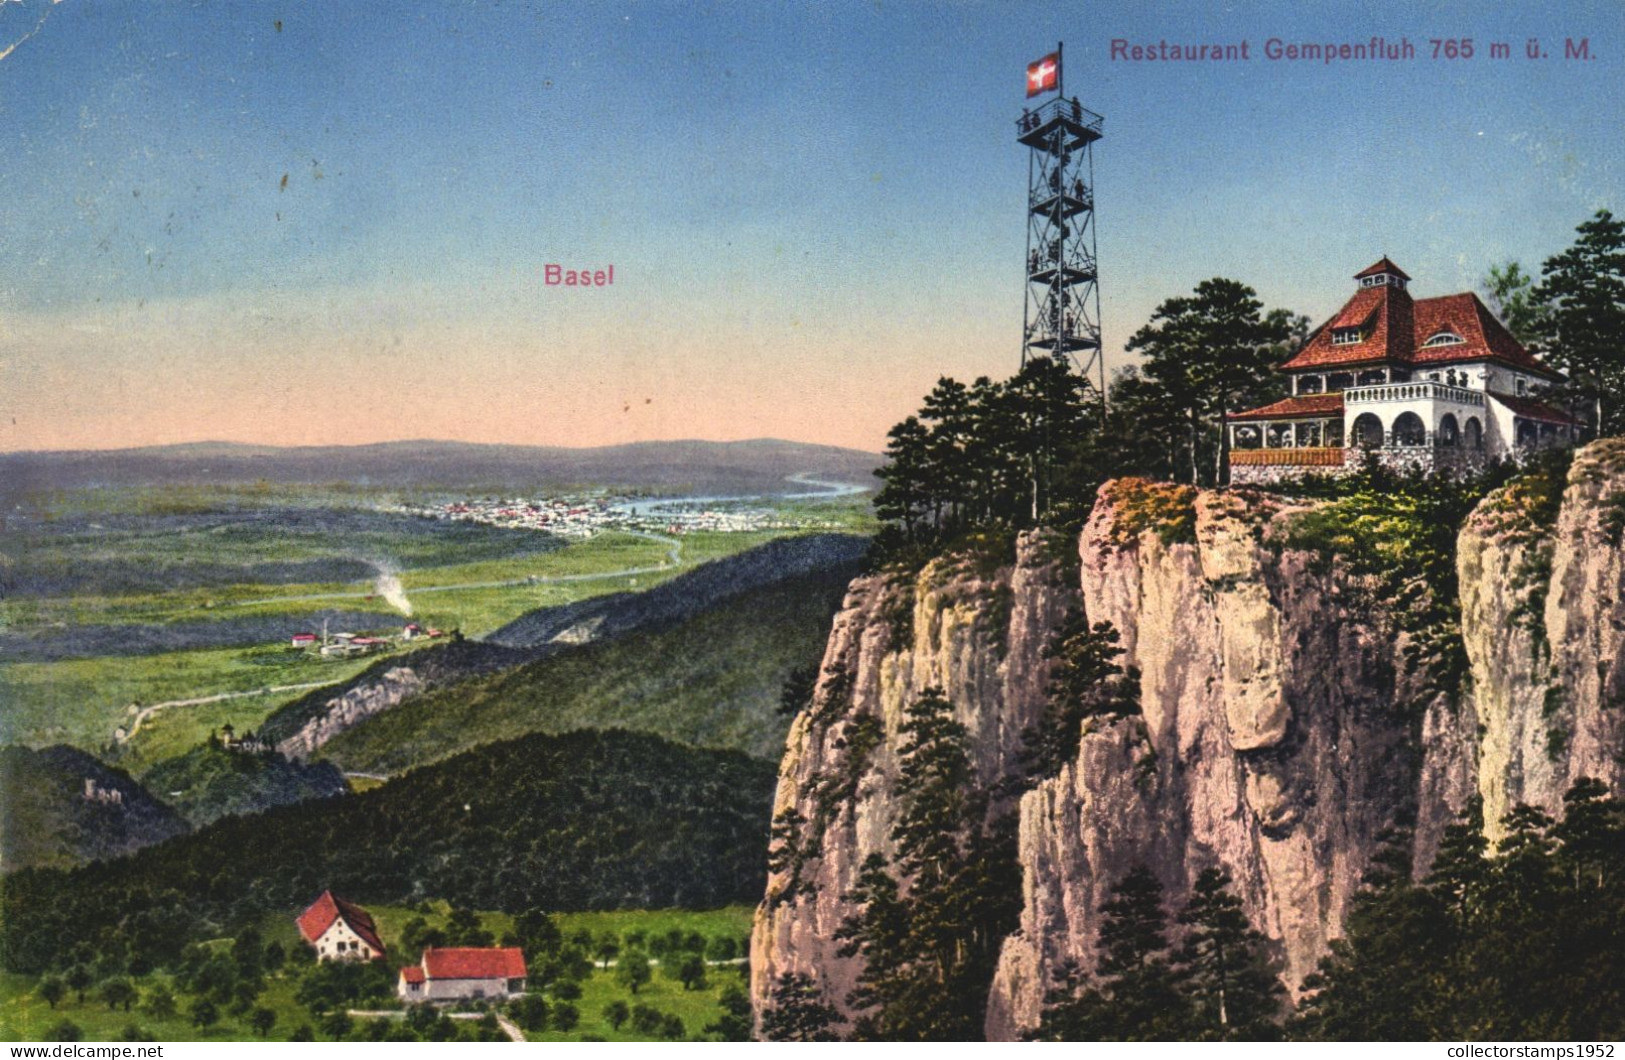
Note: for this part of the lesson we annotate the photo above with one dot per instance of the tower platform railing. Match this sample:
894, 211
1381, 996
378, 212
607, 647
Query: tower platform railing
1077, 124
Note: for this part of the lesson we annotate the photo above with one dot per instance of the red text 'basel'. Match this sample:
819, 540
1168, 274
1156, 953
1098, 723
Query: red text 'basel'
559, 276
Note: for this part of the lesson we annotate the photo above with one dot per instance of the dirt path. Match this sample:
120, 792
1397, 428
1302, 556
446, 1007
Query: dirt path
148, 711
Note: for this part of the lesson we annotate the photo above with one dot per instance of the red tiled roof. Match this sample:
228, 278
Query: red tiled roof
1381, 267
1307, 405
1360, 309
1531, 409
474, 963
1472, 320
314, 922
1397, 329
412, 974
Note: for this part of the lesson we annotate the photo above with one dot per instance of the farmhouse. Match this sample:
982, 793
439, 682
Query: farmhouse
340, 931
1430, 384
454, 973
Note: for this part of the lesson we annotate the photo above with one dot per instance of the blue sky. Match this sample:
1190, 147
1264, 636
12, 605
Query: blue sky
813, 209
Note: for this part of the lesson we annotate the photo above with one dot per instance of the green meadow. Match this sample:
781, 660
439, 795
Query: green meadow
26, 1016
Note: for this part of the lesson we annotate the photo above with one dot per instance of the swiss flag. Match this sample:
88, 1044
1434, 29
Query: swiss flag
1044, 75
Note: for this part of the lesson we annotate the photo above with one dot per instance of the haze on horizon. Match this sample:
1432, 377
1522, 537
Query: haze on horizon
289, 227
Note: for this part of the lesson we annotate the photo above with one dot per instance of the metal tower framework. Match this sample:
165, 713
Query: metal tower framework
1062, 314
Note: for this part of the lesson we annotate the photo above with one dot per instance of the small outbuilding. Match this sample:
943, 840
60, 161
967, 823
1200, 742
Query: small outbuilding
455, 973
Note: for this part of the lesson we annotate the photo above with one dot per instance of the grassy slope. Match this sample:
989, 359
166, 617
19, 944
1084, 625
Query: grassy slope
713, 681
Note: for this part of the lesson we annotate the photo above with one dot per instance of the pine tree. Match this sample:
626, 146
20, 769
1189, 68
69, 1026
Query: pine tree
1582, 292
1134, 994
929, 950
1373, 983
799, 1012
1085, 681
1210, 352
1224, 969
1510, 293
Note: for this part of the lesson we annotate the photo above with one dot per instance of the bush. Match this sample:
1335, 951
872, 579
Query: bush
616, 1013
530, 1012
565, 1016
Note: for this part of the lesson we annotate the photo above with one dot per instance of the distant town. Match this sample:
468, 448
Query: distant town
585, 517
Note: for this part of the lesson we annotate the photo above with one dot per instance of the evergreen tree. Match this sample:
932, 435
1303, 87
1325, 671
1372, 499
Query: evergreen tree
734, 1025
796, 694
1134, 995
1210, 353
1582, 292
1085, 681
1224, 969
798, 1012
904, 499
1372, 984
1510, 293
929, 951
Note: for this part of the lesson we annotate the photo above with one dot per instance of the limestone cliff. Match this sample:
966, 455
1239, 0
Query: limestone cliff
1285, 721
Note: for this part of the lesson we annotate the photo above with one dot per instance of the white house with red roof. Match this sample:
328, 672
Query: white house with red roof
340, 931
1430, 383
455, 973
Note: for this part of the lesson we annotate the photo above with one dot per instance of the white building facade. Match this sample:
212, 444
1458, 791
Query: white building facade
340, 931
1430, 384
457, 973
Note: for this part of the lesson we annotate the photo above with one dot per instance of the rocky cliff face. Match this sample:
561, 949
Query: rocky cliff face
1284, 724
344, 712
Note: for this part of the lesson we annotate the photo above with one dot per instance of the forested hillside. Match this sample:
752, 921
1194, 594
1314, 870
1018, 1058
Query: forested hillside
63, 806
589, 820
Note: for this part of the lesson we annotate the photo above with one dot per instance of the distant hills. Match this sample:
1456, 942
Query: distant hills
690, 466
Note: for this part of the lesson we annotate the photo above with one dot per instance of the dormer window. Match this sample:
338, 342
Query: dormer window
1346, 336
1445, 338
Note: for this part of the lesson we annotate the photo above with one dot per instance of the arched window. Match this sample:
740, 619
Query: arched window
1449, 433
1474, 433
1409, 430
1367, 431
1444, 338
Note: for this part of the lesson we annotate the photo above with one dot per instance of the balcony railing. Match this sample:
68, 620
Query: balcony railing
1307, 457
1412, 392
